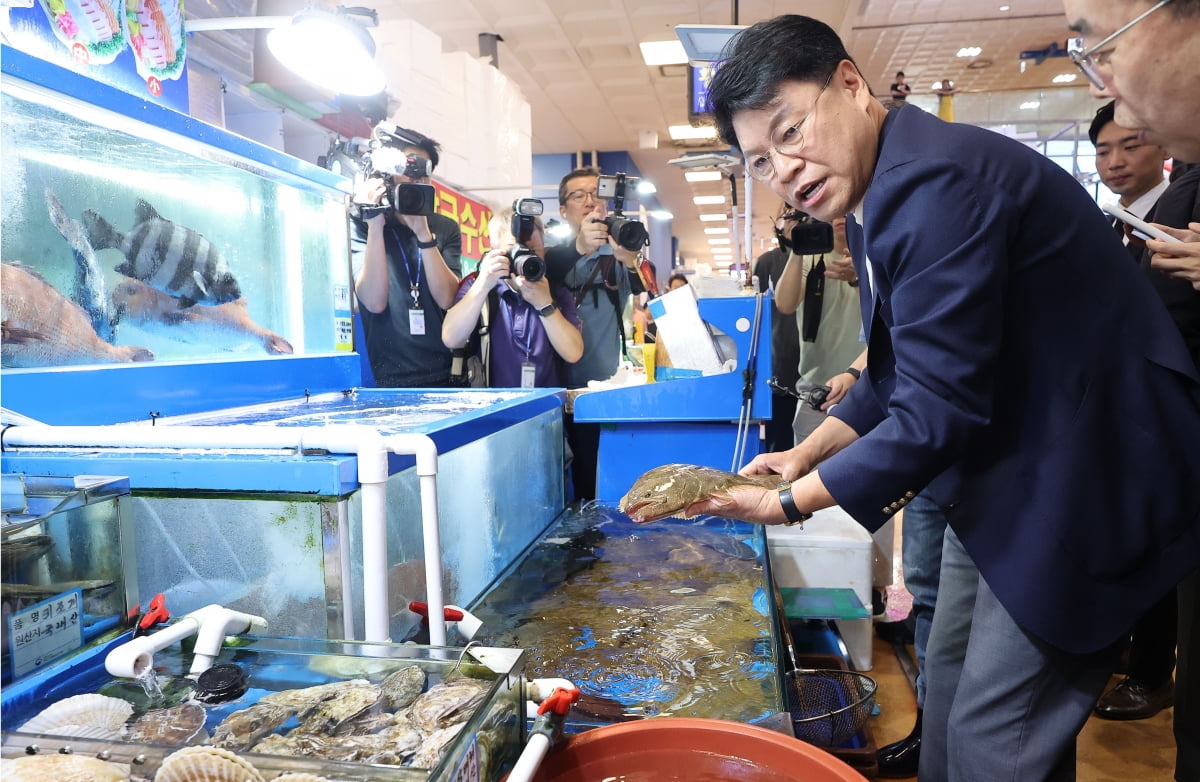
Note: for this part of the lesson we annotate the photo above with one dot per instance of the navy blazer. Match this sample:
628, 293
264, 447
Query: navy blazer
1022, 368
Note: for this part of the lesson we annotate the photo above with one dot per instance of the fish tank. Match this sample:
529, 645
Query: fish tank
68, 566
670, 619
335, 709
137, 235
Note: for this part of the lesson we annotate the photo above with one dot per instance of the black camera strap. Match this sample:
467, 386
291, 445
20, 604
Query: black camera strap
814, 296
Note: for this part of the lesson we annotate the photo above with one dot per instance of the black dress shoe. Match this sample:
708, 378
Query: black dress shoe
1132, 700
900, 758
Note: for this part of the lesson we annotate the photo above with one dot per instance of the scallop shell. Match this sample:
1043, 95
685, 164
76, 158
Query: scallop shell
300, 776
176, 725
60, 768
206, 764
96, 714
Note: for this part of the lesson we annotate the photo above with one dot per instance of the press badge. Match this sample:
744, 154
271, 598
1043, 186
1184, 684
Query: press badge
528, 373
416, 322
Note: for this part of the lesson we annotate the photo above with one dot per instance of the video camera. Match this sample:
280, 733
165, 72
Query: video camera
630, 234
406, 198
522, 260
809, 237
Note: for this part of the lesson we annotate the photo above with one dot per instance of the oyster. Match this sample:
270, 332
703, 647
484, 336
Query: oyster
243, 729
366, 723
298, 743
447, 703
430, 752
401, 688
305, 699
350, 699
60, 768
175, 726
300, 776
84, 716
206, 764
396, 744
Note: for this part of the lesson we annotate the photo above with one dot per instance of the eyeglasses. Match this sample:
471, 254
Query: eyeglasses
1088, 60
790, 142
579, 196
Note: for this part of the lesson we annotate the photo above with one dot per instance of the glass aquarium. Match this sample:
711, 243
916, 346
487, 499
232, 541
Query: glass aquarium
68, 567
272, 705
157, 238
670, 619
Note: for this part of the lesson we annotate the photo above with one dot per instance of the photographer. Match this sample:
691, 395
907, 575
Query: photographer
407, 264
531, 321
602, 275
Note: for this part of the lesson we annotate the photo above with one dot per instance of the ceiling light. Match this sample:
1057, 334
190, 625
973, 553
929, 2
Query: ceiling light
646, 187
716, 256
708, 200
661, 214
716, 231
718, 241
1031, 104
1065, 78
685, 132
1004, 7
331, 49
713, 218
706, 160
703, 176
706, 42
663, 52
969, 51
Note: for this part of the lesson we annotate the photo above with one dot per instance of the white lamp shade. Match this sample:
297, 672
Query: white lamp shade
328, 51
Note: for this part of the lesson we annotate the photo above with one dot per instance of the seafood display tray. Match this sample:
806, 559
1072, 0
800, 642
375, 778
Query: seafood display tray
485, 747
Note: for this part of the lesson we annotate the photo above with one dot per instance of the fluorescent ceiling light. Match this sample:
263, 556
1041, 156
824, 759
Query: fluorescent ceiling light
328, 48
718, 241
1031, 104
1065, 78
706, 42
716, 231
708, 200
663, 52
686, 132
702, 176
646, 187
722, 256
969, 51
661, 214
713, 218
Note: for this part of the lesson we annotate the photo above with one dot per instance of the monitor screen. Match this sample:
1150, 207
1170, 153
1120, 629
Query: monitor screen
700, 76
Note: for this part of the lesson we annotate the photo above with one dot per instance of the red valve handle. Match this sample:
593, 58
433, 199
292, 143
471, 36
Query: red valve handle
450, 614
559, 701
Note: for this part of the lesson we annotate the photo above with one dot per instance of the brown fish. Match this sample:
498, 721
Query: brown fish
141, 303
40, 327
670, 489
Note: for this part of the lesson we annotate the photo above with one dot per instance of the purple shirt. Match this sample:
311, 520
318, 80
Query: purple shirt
518, 335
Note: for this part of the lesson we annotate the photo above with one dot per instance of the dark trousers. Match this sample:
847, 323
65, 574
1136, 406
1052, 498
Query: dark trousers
1152, 644
780, 436
1187, 682
584, 440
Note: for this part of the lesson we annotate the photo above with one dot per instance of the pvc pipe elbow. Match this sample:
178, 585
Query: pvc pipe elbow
130, 660
215, 623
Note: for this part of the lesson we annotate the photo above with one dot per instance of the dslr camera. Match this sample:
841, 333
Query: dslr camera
406, 198
809, 237
522, 260
630, 234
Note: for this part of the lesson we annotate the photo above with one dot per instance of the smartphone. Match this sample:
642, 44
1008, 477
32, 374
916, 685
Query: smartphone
1143, 229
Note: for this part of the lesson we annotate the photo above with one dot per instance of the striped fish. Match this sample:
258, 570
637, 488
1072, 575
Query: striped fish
167, 256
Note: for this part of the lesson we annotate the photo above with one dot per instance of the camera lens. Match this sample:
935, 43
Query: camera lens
526, 263
630, 234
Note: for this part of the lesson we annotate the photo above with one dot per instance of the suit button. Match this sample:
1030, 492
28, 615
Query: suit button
885, 511
909, 495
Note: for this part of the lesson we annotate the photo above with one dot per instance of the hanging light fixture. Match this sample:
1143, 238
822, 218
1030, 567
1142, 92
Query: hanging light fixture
331, 49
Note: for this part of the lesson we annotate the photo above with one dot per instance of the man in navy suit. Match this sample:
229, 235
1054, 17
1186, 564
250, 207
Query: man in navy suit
1020, 370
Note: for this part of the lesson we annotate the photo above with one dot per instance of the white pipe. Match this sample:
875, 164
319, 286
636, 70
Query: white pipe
235, 23
425, 450
367, 444
210, 624
531, 757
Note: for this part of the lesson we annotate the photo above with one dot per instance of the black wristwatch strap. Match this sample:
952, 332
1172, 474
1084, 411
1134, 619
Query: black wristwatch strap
852, 371
794, 515
427, 245
548, 310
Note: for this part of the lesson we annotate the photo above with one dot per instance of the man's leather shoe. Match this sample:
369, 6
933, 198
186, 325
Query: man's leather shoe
900, 758
1132, 700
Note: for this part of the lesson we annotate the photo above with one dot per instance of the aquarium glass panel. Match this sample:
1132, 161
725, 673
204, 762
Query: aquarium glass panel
124, 242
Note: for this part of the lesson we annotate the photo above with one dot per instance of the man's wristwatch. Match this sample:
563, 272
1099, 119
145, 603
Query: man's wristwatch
548, 310
427, 245
794, 515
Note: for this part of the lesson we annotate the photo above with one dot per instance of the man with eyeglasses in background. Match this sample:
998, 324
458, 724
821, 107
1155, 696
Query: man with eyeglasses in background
602, 275
1146, 56
1005, 325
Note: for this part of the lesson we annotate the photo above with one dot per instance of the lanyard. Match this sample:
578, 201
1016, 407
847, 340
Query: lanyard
414, 276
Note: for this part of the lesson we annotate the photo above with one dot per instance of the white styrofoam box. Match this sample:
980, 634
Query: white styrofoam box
882, 570
832, 550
